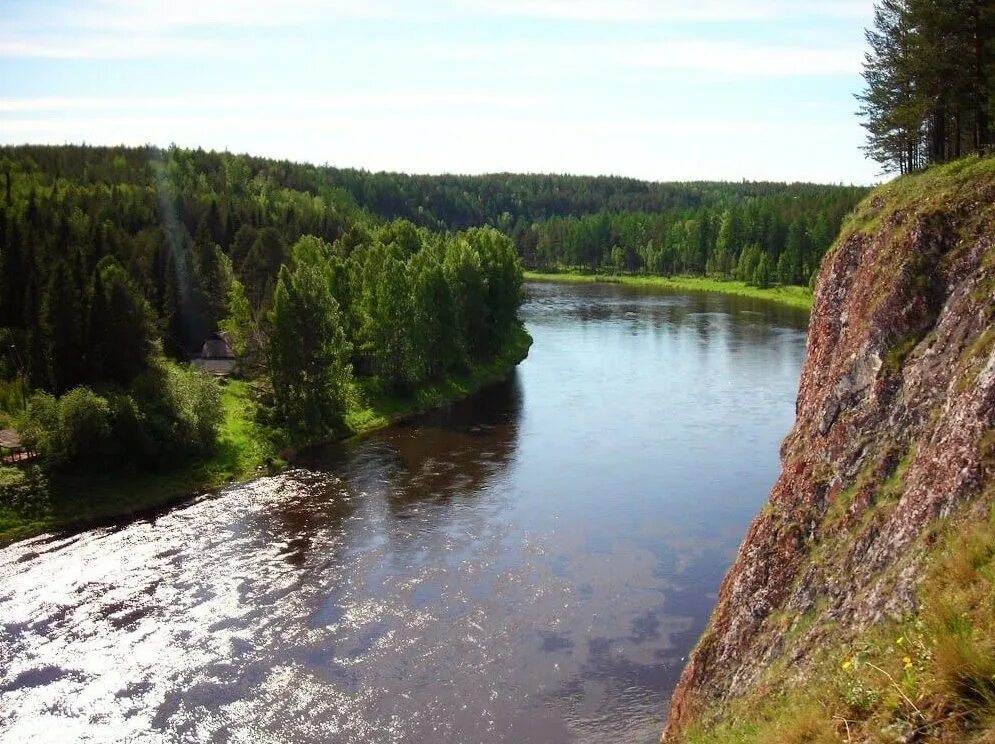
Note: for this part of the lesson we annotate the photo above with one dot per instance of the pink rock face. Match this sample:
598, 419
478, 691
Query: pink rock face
896, 397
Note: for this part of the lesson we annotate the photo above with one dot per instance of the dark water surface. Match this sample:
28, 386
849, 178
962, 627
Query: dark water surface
529, 566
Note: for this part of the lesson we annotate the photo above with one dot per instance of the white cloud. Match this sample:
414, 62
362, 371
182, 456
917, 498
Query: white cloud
677, 10
156, 16
212, 103
132, 29
102, 47
741, 59
735, 59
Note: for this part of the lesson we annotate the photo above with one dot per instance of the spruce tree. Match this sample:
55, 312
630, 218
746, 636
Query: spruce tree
61, 326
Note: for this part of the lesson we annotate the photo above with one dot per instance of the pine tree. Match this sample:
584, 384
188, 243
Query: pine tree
128, 335
97, 335
61, 331
761, 275
930, 78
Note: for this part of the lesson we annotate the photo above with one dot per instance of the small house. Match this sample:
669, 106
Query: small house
11, 449
216, 355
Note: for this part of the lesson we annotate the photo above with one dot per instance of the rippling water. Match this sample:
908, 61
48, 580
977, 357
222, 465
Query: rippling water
529, 566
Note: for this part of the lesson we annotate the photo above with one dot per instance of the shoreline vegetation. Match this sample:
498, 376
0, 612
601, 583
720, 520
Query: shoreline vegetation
792, 296
246, 449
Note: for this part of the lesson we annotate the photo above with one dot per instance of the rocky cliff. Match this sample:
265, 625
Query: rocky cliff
892, 456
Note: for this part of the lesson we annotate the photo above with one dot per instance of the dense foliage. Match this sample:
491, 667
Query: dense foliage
114, 260
624, 224
930, 76
406, 306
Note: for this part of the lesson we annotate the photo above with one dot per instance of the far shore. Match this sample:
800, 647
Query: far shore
797, 297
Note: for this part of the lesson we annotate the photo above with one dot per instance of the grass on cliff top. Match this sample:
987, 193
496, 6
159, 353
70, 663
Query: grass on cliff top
929, 678
967, 183
799, 297
245, 449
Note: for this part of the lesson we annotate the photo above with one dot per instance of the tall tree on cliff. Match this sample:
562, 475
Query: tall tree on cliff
889, 105
929, 81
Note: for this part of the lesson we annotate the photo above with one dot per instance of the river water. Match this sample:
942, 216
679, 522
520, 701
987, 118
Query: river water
531, 565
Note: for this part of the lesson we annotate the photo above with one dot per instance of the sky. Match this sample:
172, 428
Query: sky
664, 90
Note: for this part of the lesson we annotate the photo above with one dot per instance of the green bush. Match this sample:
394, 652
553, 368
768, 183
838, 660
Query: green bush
13, 395
84, 434
39, 423
180, 409
171, 412
24, 491
71, 431
129, 430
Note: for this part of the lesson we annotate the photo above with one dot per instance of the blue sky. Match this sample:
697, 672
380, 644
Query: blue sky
656, 89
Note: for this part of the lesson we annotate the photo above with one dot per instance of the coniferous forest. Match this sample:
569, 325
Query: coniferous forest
930, 76
117, 263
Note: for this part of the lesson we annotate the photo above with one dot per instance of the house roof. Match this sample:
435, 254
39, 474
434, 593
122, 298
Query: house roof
10, 439
216, 348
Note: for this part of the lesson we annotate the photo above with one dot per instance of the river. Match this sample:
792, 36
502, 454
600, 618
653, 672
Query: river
530, 565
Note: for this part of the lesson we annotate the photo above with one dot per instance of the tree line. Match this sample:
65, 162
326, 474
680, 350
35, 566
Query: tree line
612, 223
534, 210
763, 241
930, 82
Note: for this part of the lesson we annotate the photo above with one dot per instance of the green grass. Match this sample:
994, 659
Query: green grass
935, 190
245, 449
932, 673
798, 297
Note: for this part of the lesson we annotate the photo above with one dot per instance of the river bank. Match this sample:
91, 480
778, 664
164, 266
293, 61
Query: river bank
246, 449
799, 297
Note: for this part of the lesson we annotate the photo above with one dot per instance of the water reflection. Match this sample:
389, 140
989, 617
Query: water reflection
452, 452
529, 566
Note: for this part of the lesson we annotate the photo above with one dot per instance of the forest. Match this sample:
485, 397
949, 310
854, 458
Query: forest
117, 263
760, 233
930, 82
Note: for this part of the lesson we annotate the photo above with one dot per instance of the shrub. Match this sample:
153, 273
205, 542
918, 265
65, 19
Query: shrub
39, 423
170, 412
71, 431
24, 491
129, 429
13, 395
84, 429
180, 409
